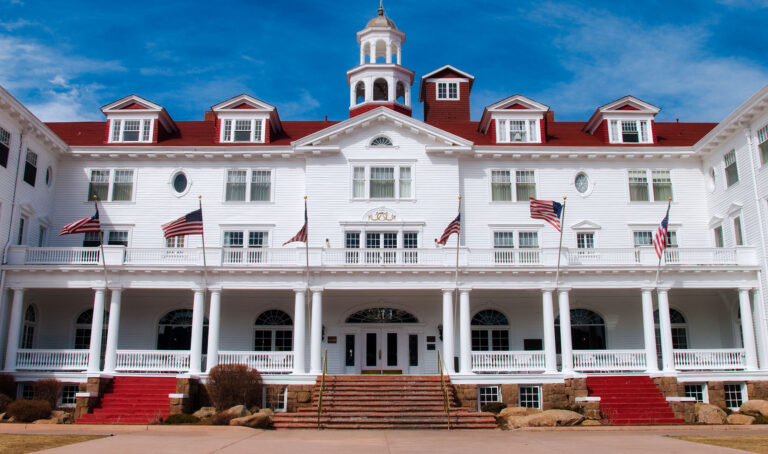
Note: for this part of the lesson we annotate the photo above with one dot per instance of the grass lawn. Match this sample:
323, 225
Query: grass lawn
751, 444
20, 444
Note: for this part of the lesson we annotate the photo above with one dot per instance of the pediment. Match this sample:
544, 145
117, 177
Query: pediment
585, 225
132, 103
243, 102
714, 221
629, 104
519, 102
734, 208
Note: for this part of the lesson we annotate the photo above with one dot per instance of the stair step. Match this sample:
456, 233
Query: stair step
133, 400
631, 400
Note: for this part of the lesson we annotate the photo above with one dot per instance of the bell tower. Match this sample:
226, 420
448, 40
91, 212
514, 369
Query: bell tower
380, 79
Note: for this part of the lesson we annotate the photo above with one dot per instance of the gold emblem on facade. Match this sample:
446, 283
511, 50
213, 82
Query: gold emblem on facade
382, 216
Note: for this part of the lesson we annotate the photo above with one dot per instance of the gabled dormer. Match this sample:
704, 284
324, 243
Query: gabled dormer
514, 120
445, 94
625, 121
245, 119
133, 119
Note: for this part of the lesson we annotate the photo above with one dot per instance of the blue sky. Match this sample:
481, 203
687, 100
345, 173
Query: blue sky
697, 60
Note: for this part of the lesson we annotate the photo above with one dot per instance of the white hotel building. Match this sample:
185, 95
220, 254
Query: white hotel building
381, 186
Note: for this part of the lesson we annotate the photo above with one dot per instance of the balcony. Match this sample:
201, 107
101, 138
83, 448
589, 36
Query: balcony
710, 359
495, 362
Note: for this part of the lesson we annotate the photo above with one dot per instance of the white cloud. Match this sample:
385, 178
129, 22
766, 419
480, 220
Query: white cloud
305, 104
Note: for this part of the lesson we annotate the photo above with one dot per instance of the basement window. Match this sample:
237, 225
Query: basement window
530, 396
275, 398
487, 395
698, 391
734, 395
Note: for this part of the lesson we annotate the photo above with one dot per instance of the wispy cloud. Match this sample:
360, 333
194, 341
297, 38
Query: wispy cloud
305, 104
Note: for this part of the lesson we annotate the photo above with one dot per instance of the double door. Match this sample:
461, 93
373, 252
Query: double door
381, 352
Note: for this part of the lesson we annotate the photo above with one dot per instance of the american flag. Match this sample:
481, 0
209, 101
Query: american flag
661, 235
453, 227
301, 236
547, 210
85, 225
189, 224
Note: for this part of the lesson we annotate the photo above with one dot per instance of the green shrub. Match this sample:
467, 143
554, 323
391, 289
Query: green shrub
4, 401
24, 410
8, 385
182, 419
48, 390
493, 407
234, 384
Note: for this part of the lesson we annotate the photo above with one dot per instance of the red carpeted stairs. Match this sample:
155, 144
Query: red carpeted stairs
384, 402
631, 400
133, 400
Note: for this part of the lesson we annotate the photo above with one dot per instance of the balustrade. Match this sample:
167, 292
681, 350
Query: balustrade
710, 359
609, 360
264, 362
51, 360
507, 361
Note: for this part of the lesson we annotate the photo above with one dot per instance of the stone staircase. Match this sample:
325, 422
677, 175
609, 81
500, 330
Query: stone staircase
384, 402
631, 400
133, 400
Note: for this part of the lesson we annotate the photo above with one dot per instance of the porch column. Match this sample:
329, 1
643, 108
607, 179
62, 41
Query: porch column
14, 330
214, 324
316, 339
113, 331
665, 328
747, 329
465, 333
448, 342
299, 330
566, 347
196, 347
649, 332
548, 319
97, 326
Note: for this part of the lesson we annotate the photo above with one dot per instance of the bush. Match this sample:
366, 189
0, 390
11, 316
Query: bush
493, 407
8, 385
234, 384
4, 401
24, 410
182, 419
48, 390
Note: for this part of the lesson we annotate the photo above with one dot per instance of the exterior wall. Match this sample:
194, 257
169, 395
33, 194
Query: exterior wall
439, 110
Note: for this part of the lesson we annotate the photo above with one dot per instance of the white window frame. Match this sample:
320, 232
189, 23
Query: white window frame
762, 144
649, 185
447, 83
481, 401
248, 182
735, 163
742, 388
533, 129
594, 239
367, 186
512, 257
520, 396
233, 122
111, 183
738, 230
615, 126
513, 183
117, 129
285, 400
720, 236
246, 231
704, 390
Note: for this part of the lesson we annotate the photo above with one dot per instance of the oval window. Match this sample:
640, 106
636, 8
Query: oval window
49, 177
582, 183
180, 182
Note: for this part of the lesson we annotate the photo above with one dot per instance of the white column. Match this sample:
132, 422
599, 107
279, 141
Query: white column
389, 52
399, 55
649, 331
372, 52
465, 333
362, 53
196, 347
352, 94
665, 328
14, 330
548, 319
113, 331
747, 329
369, 89
566, 347
448, 342
97, 326
391, 83
214, 328
316, 339
299, 331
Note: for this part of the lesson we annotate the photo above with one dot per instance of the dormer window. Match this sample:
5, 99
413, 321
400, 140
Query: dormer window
250, 130
131, 131
448, 90
630, 131
517, 131
381, 141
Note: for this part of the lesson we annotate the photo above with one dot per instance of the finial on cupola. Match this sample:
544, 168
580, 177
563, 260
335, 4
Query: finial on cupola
381, 7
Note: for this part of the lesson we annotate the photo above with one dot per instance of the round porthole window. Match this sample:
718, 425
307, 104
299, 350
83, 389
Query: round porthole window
581, 182
180, 182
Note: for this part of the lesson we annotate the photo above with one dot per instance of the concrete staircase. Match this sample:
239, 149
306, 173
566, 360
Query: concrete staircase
133, 400
631, 400
384, 402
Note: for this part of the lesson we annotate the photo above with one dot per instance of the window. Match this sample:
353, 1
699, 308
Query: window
762, 140
42, 236
122, 189
174, 331
20, 238
504, 243
487, 395
27, 391
585, 240
260, 185
382, 183
630, 131
719, 239
118, 238
30, 168
179, 183
731, 170
381, 141
274, 332
246, 130
68, 396
504, 240
5, 146
132, 130
175, 241
238, 251
391, 182
405, 182
530, 396
448, 90
679, 329
517, 131
490, 331
501, 185
92, 239
638, 185
526, 184
83, 330
737, 236
698, 391
662, 185
581, 182
587, 330
274, 397
413, 350
118, 188
49, 176
734, 395
28, 330
236, 185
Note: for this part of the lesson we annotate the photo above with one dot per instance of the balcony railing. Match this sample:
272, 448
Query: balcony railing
361, 257
51, 360
152, 361
609, 360
507, 361
264, 362
710, 359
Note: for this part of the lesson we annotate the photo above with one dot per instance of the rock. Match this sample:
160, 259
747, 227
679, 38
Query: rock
205, 412
510, 422
709, 414
754, 408
260, 420
2, 416
303, 397
12, 419
590, 422
61, 417
238, 411
552, 418
517, 411
45, 421
738, 419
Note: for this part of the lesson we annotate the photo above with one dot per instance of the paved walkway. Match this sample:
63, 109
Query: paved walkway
207, 439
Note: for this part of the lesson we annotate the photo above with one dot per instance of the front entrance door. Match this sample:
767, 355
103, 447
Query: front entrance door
380, 351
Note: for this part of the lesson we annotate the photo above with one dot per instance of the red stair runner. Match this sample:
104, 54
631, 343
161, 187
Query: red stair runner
133, 400
384, 402
631, 400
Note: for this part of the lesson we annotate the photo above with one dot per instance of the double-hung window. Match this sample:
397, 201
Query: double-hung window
448, 90
243, 130
738, 237
115, 185
501, 185
245, 246
719, 237
504, 247
30, 168
585, 240
630, 131
118, 238
517, 131
131, 131
5, 146
639, 190
260, 185
762, 140
731, 170
382, 182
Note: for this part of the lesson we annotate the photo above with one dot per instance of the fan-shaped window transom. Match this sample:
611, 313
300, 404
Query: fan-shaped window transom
382, 315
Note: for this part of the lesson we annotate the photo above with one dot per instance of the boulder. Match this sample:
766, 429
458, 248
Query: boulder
739, 419
2, 416
205, 412
61, 417
754, 408
260, 420
238, 411
304, 397
552, 418
45, 421
511, 417
710, 414
590, 422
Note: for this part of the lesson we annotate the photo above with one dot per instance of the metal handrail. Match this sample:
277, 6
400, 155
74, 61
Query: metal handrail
446, 405
322, 388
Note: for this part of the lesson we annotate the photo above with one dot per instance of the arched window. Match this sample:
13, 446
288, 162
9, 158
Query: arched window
274, 332
679, 330
400, 93
28, 330
174, 331
382, 315
380, 90
490, 331
83, 330
360, 92
587, 330
381, 141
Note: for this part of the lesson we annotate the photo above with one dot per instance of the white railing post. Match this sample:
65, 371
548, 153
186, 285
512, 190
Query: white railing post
566, 349
14, 329
448, 328
548, 320
747, 329
214, 326
113, 330
649, 331
316, 340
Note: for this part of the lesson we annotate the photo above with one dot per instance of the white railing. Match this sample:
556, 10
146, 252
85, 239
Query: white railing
36, 359
62, 256
264, 362
263, 257
710, 359
700, 256
163, 256
507, 361
152, 361
513, 257
608, 360
384, 257
606, 256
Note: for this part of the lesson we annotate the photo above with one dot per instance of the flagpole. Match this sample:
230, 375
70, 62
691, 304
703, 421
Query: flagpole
658, 268
202, 237
456, 282
560, 247
101, 243
306, 243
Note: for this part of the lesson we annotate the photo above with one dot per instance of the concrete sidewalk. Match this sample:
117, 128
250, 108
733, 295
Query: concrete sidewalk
209, 439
